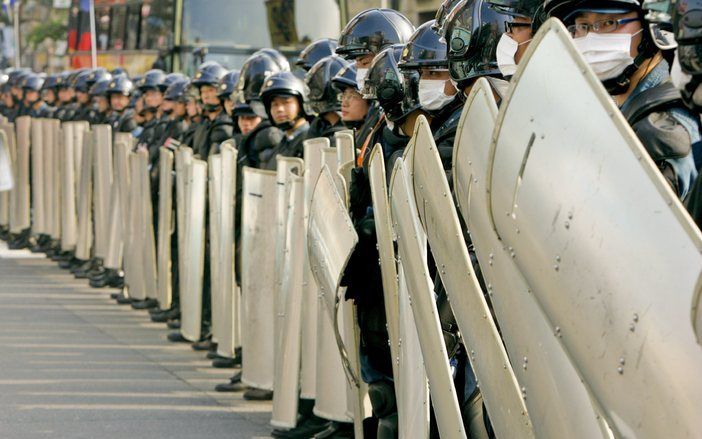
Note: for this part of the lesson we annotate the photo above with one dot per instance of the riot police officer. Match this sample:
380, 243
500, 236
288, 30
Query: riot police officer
635, 76
216, 125
282, 96
119, 91
101, 104
49, 94
31, 86
66, 107
314, 52
322, 98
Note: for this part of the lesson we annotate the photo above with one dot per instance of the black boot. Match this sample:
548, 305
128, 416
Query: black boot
340, 430
112, 278
383, 401
165, 316
145, 304
82, 271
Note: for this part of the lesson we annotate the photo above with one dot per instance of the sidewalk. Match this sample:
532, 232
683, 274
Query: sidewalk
74, 364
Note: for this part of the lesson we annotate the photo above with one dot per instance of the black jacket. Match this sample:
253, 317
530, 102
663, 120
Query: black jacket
290, 146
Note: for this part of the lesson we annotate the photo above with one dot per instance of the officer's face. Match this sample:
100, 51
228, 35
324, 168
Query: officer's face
353, 106
521, 33
191, 108
7, 99
153, 98
82, 97
101, 103
179, 109
49, 96
118, 101
247, 123
439, 75
626, 28
16, 92
31, 96
65, 94
167, 106
208, 95
228, 105
284, 108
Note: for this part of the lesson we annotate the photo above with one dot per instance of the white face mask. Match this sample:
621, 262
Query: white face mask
608, 54
431, 94
679, 78
506, 49
361, 78
391, 124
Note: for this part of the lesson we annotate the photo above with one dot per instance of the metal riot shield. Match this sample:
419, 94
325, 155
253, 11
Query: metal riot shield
183, 163
412, 387
80, 129
498, 385
147, 229
230, 337
49, 158
122, 184
117, 207
102, 182
214, 187
55, 199
38, 215
411, 243
330, 240
6, 178
85, 195
543, 369
194, 234
257, 279
600, 238
69, 212
308, 367
288, 319
383, 230
19, 215
344, 147
135, 268
165, 228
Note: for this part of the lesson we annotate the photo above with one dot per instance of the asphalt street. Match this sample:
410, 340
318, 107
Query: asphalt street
74, 364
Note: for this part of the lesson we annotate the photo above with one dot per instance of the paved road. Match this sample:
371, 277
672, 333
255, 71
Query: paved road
73, 364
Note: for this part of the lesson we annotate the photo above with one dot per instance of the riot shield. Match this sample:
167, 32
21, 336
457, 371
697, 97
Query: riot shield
543, 369
69, 215
214, 188
183, 162
116, 229
411, 243
498, 385
412, 388
258, 282
289, 318
230, 337
7, 179
122, 182
38, 215
19, 215
344, 147
135, 268
308, 367
102, 182
600, 238
147, 229
8, 130
383, 230
84, 197
55, 199
284, 166
194, 234
165, 227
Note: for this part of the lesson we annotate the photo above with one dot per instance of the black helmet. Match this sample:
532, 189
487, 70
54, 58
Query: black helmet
316, 51
120, 84
425, 48
170, 79
32, 81
442, 14
276, 56
209, 73
243, 109
517, 8
177, 90
100, 87
96, 75
567, 9
64, 80
227, 84
80, 82
321, 95
686, 20
385, 82
14, 78
50, 83
345, 78
253, 73
152, 80
282, 84
118, 71
371, 31
473, 30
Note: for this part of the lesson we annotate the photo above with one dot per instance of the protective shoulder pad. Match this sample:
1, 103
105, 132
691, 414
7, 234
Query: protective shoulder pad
661, 97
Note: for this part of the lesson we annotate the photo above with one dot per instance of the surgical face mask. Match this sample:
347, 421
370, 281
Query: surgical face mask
506, 50
431, 94
608, 54
361, 78
679, 78
391, 125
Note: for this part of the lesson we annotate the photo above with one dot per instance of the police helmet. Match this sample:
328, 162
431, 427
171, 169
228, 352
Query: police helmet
276, 56
120, 84
177, 90
371, 31
50, 83
32, 81
282, 84
425, 49
346, 78
314, 52
209, 73
255, 69
385, 82
100, 87
227, 84
152, 80
321, 95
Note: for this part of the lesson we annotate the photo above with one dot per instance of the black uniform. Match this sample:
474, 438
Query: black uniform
290, 146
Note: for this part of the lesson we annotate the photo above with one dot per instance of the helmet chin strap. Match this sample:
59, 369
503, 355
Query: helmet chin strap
621, 83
